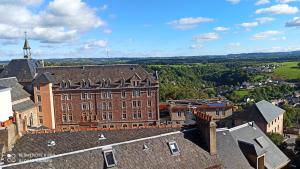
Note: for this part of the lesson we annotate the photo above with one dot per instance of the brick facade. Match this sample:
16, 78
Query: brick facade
110, 101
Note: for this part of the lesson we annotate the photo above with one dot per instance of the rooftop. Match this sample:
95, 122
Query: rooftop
17, 91
135, 152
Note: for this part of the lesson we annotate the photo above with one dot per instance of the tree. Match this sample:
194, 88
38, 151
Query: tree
276, 138
299, 64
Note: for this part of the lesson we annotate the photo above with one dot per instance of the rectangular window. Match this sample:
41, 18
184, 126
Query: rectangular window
104, 106
123, 95
70, 107
136, 93
174, 148
70, 117
217, 112
134, 104
150, 115
123, 104
104, 115
40, 108
149, 103
139, 114
179, 114
149, 92
109, 105
134, 115
109, 158
99, 105
64, 118
63, 107
124, 115
85, 106
139, 104
39, 98
110, 116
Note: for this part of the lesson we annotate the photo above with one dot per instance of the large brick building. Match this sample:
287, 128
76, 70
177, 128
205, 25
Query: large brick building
106, 96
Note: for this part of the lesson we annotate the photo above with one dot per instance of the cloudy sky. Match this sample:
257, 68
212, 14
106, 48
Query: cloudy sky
142, 28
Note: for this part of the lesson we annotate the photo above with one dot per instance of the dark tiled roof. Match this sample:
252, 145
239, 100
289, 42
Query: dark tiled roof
259, 112
44, 78
23, 69
17, 91
268, 110
131, 155
97, 73
229, 153
23, 106
72, 141
249, 133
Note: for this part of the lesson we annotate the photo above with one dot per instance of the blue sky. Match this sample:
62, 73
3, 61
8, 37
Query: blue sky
152, 28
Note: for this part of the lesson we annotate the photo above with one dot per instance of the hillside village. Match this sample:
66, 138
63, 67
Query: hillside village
111, 116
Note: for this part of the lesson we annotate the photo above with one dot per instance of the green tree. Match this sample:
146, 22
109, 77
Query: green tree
276, 138
299, 64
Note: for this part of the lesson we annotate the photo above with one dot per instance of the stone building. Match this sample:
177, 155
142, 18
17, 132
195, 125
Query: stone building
266, 115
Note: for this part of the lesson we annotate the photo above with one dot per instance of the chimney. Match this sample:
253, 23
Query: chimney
208, 131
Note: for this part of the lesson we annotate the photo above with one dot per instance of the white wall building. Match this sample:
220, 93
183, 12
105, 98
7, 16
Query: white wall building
5, 104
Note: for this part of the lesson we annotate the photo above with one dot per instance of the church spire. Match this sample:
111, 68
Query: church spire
26, 48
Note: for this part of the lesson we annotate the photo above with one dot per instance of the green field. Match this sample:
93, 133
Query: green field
241, 93
288, 71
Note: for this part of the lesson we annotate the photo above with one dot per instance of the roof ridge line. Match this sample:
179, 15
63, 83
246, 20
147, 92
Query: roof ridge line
94, 148
240, 126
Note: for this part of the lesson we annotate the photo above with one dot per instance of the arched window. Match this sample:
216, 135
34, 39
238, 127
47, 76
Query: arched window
82, 84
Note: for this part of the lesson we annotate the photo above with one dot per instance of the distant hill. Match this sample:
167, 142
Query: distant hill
257, 57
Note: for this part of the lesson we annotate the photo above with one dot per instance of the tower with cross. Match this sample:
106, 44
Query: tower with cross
26, 48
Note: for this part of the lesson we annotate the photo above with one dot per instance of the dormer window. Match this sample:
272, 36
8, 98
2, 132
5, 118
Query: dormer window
109, 157
174, 148
51, 143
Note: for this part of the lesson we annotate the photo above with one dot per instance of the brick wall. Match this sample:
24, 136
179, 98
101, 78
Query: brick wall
95, 111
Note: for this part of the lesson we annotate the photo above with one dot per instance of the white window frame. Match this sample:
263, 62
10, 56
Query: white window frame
105, 158
173, 143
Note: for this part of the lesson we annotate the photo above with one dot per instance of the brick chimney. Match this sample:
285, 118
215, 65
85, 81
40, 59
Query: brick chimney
208, 131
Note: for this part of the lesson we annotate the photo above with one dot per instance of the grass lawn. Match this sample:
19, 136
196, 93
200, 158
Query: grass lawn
288, 71
241, 93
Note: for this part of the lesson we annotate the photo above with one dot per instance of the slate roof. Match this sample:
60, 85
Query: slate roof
229, 153
17, 91
131, 154
72, 141
23, 69
268, 110
44, 78
23, 106
97, 73
249, 133
262, 111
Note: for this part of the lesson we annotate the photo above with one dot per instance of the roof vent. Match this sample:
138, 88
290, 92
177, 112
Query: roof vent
145, 147
51, 143
224, 133
102, 137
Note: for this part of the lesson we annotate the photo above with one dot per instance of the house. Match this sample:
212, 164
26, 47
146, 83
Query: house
18, 113
181, 111
19, 102
248, 143
266, 115
134, 148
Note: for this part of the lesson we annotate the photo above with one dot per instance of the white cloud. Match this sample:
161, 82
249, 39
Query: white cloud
279, 38
59, 21
262, 2
220, 28
188, 23
294, 23
278, 9
196, 46
234, 1
286, 1
95, 44
266, 34
107, 31
206, 37
264, 19
249, 25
